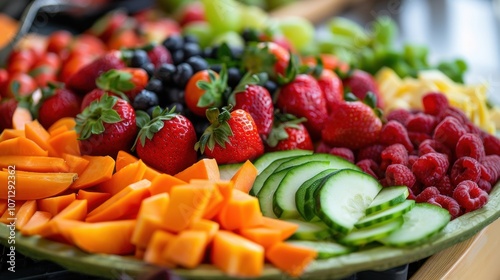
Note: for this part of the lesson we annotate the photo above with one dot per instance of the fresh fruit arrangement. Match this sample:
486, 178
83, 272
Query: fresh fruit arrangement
185, 141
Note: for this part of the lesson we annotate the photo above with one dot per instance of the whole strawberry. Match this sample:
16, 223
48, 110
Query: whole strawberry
288, 133
352, 125
303, 97
166, 142
106, 126
232, 137
266, 57
84, 80
361, 83
57, 103
332, 88
257, 101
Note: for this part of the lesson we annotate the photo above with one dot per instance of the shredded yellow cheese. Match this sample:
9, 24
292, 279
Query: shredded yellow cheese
407, 93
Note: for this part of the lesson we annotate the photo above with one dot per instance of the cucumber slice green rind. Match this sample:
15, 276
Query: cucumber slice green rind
387, 214
310, 198
336, 162
300, 195
325, 249
266, 194
284, 205
387, 197
266, 159
227, 171
265, 174
366, 235
421, 223
343, 198
310, 231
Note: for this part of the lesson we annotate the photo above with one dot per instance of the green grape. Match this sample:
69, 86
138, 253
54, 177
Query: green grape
223, 15
201, 30
384, 31
231, 38
349, 29
253, 17
259, 3
297, 30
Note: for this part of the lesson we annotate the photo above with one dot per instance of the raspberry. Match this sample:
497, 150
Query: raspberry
421, 122
444, 186
430, 168
447, 203
491, 145
435, 103
485, 173
465, 168
323, 148
369, 166
399, 175
484, 185
433, 146
411, 195
411, 160
470, 196
448, 131
417, 188
343, 153
457, 114
492, 164
394, 154
470, 145
393, 132
417, 138
427, 194
371, 152
399, 115
472, 128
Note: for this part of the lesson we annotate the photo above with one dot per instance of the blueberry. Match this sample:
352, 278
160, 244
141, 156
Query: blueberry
216, 67
173, 94
173, 42
145, 99
207, 52
233, 76
271, 86
236, 52
215, 52
179, 107
190, 39
197, 63
154, 85
178, 57
165, 72
182, 75
191, 49
139, 58
149, 68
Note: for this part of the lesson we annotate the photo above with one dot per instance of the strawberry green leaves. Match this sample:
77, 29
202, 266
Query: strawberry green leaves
91, 120
149, 126
248, 79
116, 81
281, 122
214, 89
218, 132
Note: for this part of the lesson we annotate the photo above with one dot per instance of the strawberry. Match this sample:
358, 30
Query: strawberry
232, 137
158, 55
360, 83
303, 98
256, 100
166, 142
266, 57
91, 96
110, 23
332, 88
7, 108
84, 80
57, 103
288, 133
191, 12
352, 125
106, 126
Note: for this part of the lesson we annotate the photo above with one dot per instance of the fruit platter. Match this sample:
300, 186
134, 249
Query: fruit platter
214, 141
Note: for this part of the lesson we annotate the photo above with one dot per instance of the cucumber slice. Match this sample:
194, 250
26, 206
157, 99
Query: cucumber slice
335, 161
266, 173
344, 197
266, 159
359, 237
421, 223
266, 194
300, 195
387, 214
284, 198
325, 249
387, 197
310, 199
227, 171
310, 231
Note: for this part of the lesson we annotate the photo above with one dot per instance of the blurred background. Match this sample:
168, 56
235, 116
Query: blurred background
451, 29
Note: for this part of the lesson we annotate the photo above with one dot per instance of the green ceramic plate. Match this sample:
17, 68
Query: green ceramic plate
375, 258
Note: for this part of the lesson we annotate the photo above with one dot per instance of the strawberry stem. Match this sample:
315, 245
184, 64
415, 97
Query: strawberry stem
150, 126
218, 132
91, 120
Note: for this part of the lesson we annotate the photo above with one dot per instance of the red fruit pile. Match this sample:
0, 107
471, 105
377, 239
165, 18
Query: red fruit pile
438, 153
